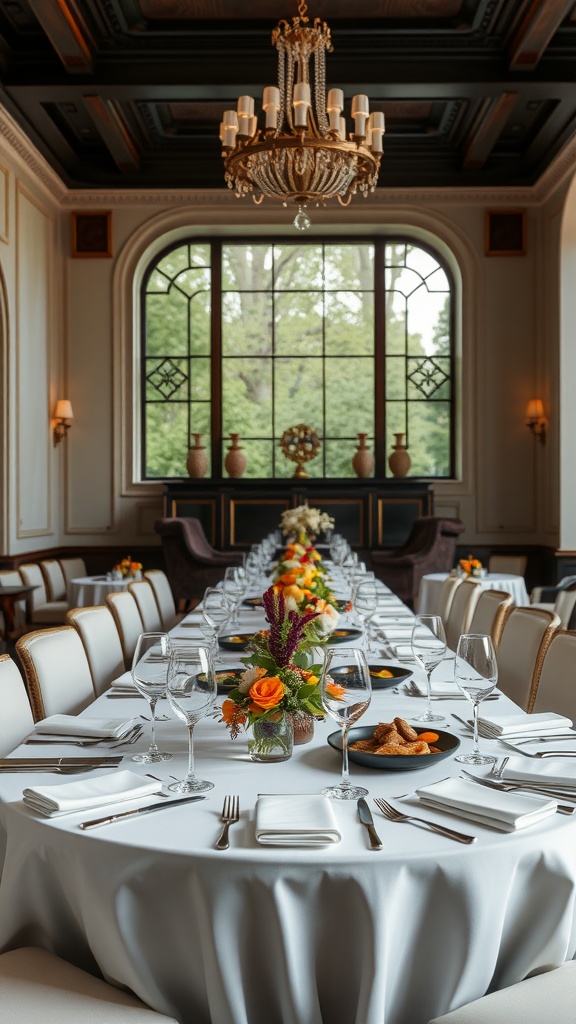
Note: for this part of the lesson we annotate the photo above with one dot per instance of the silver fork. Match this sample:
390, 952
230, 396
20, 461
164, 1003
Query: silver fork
497, 770
509, 787
539, 753
130, 737
230, 815
395, 815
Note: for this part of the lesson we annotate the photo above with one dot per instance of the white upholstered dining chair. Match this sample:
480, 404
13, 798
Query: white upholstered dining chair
72, 568
515, 564
128, 622
546, 997
53, 579
147, 606
554, 688
525, 639
461, 611
446, 596
158, 580
57, 672
37, 986
491, 613
43, 611
15, 713
99, 635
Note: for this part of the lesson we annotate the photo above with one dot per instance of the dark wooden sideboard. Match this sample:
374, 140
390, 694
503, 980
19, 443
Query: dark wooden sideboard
371, 514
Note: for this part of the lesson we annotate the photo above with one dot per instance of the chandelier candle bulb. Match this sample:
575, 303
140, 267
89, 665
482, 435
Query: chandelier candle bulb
342, 129
301, 103
230, 119
271, 104
246, 106
335, 101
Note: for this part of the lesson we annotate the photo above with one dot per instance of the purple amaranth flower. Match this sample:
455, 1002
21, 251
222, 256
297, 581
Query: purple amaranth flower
286, 631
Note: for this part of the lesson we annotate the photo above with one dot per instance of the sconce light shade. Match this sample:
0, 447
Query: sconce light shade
536, 420
63, 417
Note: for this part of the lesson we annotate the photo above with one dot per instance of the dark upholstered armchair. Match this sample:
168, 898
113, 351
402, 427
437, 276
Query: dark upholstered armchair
191, 563
431, 547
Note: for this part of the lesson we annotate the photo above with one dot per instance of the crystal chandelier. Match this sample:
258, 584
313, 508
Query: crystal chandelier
303, 154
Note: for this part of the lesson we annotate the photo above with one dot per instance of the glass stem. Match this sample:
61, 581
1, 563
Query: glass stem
152, 702
428, 691
345, 782
190, 751
475, 720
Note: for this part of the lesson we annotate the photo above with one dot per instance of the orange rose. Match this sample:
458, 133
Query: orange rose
266, 693
335, 690
229, 709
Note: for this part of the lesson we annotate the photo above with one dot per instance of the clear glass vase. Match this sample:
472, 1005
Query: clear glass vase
272, 739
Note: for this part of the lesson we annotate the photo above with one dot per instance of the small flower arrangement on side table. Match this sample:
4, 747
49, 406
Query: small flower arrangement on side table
279, 684
470, 567
127, 569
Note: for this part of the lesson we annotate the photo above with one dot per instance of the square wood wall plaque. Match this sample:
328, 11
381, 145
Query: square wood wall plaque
505, 232
92, 235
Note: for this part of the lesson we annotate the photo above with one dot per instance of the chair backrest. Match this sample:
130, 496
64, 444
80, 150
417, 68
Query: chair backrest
32, 576
57, 672
149, 613
54, 579
525, 638
15, 713
564, 604
158, 580
490, 614
464, 601
12, 578
128, 622
101, 640
72, 568
515, 564
446, 596
555, 687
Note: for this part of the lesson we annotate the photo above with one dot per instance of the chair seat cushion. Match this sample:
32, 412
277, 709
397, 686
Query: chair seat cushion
546, 997
37, 986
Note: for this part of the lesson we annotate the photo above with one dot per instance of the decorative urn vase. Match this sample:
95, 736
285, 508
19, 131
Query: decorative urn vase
235, 461
363, 460
399, 460
197, 461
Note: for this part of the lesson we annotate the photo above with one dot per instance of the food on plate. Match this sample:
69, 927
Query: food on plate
397, 738
382, 673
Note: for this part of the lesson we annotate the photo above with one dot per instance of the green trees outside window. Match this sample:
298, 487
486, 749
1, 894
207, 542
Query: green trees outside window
254, 337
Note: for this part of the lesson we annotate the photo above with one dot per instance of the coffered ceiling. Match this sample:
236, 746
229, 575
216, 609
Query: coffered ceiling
130, 93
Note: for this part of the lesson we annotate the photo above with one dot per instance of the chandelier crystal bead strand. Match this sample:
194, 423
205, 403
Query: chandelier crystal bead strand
303, 153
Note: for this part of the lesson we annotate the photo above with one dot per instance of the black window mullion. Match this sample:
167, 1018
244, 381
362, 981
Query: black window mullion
216, 357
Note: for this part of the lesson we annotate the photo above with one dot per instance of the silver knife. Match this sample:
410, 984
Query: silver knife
365, 815
139, 810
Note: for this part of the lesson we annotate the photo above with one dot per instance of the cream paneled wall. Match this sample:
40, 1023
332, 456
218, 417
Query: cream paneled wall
78, 322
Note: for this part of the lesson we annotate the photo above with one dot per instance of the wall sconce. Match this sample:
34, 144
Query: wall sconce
536, 420
63, 417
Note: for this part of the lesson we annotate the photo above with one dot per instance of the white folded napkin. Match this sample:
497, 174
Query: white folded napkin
439, 688
295, 820
93, 728
549, 771
125, 684
521, 724
403, 651
506, 812
94, 791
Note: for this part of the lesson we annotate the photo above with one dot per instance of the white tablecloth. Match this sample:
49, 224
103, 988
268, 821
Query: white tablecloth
264, 935
508, 582
86, 591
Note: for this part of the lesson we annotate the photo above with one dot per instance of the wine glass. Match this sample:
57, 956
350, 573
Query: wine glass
233, 586
191, 693
365, 603
149, 672
346, 692
476, 674
428, 647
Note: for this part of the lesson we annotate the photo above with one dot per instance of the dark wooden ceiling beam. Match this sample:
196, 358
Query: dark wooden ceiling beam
541, 21
487, 130
114, 133
67, 33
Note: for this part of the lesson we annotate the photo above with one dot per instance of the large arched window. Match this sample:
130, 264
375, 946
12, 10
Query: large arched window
253, 337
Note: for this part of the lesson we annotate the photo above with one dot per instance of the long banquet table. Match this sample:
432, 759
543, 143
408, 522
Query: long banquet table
265, 935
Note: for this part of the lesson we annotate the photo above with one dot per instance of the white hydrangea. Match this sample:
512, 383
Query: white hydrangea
305, 519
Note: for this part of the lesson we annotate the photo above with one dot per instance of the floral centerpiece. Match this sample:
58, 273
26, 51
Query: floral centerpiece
470, 567
304, 523
301, 577
127, 569
279, 679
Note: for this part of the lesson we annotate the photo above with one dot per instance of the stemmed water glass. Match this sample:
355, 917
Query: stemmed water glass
346, 692
191, 693
149, 672
476, 674
233, 586
365, 604
428, 648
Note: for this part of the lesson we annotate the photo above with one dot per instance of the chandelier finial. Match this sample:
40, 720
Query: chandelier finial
303, 153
